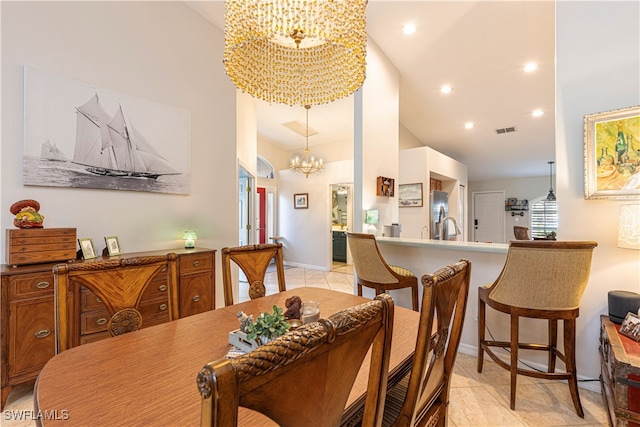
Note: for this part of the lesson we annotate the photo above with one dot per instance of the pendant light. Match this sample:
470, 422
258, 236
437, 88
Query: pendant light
307, 165
551, 197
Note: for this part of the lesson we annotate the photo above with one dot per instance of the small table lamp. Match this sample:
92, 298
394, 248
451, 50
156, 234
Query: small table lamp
189, 238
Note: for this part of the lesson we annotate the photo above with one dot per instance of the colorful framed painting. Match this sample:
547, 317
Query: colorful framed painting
301, 201
612, 154
410, 195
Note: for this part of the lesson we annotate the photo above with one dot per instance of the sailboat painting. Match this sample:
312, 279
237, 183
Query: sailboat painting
117, 142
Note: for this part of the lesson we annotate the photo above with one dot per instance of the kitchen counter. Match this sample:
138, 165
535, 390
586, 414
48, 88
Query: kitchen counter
500, 248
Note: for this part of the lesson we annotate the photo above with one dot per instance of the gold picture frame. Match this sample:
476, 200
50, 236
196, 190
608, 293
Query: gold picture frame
87, 248
113, 245
612, 154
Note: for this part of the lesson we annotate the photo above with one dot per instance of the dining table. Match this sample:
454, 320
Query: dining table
148, 377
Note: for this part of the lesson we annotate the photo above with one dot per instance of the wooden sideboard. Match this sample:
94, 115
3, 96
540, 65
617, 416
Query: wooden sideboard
620, 377
27, 322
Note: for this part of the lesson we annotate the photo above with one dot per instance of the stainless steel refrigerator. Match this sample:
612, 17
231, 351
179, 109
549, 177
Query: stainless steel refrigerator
439, 211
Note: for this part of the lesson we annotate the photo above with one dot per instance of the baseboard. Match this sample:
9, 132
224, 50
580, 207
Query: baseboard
583, 382
307, 266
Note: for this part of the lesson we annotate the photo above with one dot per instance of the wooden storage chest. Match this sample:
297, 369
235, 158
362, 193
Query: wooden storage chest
620, 375
40, 245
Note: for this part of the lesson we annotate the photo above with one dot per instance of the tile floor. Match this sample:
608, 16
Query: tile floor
476, 399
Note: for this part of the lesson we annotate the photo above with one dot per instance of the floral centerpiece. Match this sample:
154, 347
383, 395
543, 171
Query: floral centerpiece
254, 333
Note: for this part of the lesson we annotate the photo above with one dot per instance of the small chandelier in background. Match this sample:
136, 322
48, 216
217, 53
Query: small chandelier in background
307, 165
551, 197
296, 52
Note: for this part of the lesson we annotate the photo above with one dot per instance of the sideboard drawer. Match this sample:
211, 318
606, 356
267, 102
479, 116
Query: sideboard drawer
31, 285
195, 263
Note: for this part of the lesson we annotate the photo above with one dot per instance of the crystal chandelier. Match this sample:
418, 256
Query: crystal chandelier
296, 52
307, 165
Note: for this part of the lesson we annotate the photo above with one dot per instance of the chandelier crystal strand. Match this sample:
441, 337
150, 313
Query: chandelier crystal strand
307, 165
296, 52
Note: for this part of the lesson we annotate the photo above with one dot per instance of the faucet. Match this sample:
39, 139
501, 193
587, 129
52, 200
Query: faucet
443, 230
423, 227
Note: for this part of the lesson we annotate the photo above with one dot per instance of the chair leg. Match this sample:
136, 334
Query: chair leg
553, 345
359, 289
481, 332
514, 356
570, 361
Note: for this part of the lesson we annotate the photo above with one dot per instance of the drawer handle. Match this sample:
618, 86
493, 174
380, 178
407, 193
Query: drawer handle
163, 307
196, 263
98, 299
196, 298
101, 321
42, 333
42, 285
162, 288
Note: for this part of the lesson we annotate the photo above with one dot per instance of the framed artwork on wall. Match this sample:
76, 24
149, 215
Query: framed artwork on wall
612, 154
301, 201
78, 134
384, 186
410, 195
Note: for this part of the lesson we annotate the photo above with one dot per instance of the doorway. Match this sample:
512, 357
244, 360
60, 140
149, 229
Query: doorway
341, 221
488, 216
245, 206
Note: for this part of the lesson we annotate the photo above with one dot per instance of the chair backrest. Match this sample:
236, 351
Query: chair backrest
253, 260
304, 377
367, 260
544, 274
521, 233
444, 301
119, 283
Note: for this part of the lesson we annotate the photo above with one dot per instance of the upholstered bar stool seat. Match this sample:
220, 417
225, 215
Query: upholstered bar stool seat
373, 272
540, 280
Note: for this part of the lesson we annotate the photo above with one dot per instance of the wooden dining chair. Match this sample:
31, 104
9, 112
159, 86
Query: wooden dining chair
304, 377
253, 260
119, 284
540, 280
372, 271
421, 398
521, 233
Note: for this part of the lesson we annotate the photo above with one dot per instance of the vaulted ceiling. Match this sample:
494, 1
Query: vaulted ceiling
477, 47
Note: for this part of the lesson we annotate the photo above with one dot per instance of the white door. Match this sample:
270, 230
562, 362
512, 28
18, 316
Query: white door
488, 216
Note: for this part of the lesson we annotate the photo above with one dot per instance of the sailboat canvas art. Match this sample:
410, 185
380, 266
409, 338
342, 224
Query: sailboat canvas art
113, 141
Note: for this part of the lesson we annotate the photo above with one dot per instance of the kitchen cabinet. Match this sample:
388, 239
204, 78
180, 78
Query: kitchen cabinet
339, 246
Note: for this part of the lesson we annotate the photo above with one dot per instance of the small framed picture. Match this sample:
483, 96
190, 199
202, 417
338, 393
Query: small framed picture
87, 248
113, 245
631, 326
301, 201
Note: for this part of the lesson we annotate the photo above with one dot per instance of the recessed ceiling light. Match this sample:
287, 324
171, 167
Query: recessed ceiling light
537, 113
446, 89
409, 28
531, 66
468, 125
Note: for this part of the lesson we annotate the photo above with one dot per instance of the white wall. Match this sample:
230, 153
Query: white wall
597, 69
159, 51
307, 232
377, 118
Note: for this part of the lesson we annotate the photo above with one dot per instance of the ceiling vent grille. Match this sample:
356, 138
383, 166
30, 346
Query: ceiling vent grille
506, 130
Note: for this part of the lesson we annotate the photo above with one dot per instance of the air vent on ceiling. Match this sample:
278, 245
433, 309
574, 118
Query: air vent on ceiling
300, 128
506, 130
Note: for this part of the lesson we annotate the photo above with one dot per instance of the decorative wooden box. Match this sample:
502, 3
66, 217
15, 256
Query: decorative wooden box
39, 245
620, 357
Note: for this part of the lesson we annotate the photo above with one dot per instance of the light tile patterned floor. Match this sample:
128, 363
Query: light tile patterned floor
476, 399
